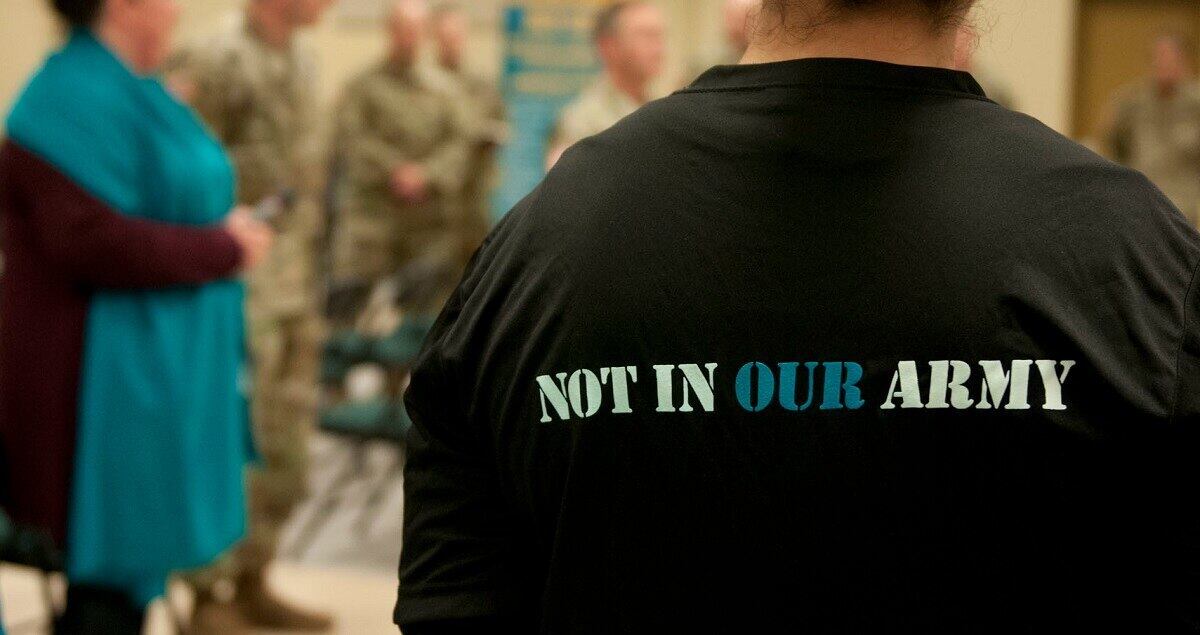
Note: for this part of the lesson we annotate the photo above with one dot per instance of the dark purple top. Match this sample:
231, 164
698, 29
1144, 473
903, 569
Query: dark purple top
59, 243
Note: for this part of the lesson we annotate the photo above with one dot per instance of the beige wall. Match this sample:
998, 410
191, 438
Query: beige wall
1027, 44
26, 33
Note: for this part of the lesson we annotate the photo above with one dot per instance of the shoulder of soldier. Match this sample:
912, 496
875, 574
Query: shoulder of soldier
569, 115
587, 100
1191, 91
305, 49
1132, 94
575, 121
440, 81
468, 77
572, 117
230, 41
224, 52
364, 80
456, 80
591, 105
477, 84
361, 86
305, 55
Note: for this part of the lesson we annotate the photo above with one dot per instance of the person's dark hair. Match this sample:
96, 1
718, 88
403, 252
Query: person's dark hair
609, 18
941, 13
78, 12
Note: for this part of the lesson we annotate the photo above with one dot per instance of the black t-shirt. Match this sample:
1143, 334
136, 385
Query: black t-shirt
819, 346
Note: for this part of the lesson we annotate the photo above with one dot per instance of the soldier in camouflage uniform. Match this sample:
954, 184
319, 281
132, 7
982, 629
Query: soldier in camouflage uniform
1156, 127
255, 87
406, 140
489, 123
631, 41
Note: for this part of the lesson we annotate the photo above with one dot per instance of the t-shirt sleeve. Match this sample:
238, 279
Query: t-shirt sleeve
1181, 459
456, 540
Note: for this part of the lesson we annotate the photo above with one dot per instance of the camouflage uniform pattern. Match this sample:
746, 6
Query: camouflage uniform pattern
597, 109
490, 130
1161, 138
395, 262
390, 116
261, 103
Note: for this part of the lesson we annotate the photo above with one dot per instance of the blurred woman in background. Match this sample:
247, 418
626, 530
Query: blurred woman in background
121, 413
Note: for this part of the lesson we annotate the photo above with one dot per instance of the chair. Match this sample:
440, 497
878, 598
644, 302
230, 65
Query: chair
363, 422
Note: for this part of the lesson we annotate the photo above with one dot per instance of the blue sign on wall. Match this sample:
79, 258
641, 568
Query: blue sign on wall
548, 61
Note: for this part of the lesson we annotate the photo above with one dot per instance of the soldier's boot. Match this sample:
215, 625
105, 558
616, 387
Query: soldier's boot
214, 617
260, 607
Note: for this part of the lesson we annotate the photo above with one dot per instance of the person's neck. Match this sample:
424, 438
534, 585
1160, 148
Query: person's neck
1167, 90
897, 40
268, 26
629, 86
452, 63
122, 46
401, 61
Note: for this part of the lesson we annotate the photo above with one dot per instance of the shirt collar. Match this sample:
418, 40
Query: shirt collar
838, 72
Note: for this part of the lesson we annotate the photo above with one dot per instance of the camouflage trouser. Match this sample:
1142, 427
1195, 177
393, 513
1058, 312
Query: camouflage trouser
286, 353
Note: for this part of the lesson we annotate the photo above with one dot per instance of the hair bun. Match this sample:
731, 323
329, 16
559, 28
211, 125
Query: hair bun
78, 12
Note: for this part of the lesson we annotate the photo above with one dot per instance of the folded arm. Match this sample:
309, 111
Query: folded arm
98, 246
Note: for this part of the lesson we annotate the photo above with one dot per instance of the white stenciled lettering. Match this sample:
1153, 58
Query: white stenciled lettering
909, 388
1053, 382
556, 395
662, 377
622, 376
695, 383
942, 385
580, 380
997, 381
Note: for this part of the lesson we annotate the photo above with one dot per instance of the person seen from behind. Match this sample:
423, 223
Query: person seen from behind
828, 342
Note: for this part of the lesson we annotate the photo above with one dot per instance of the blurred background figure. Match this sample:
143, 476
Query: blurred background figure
630, 40
737, 19
965, 44
1156, 125
121, 409
406, 136
489, 124
255, 86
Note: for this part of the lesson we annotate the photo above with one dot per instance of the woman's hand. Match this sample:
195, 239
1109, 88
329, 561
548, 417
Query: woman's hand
253, 236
